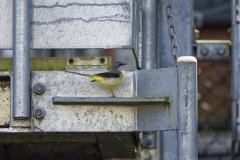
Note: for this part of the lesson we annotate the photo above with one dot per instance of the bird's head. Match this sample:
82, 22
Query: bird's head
118, 65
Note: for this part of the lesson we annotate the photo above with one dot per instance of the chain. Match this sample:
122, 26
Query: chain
172, 30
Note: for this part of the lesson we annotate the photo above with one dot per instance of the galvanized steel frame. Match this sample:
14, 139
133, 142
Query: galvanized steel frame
187, 108
219, 51
235, 77
21, 58
70, 105
140, 82
150, 116
182, 12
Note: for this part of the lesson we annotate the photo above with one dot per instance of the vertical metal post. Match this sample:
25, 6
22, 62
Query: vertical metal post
187, 108
235, 83
182, 14
148, 16
149, 34
234, 75
158, 24
21, 59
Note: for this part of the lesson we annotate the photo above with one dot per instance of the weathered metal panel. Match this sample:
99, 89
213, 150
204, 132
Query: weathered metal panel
162, 83
113, 116
81, 117
74, 24
6, 24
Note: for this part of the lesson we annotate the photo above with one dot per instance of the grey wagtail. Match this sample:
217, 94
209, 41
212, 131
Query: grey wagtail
110, 79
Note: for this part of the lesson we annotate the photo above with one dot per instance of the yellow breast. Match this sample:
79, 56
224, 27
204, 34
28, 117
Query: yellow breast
110, 82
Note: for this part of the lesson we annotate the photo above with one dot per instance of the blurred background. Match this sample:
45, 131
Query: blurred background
213, 20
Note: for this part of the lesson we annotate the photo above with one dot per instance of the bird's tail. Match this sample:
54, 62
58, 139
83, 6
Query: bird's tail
77, 73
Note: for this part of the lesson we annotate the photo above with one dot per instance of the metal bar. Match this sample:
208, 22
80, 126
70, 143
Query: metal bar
235, 61
102, 100
158, 49
187, 108
234, 129
213, 51
233, 12
149, 39
21, 59
234, 77
149, 34
140, 38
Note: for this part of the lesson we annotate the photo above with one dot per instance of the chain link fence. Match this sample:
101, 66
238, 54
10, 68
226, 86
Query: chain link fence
214, 110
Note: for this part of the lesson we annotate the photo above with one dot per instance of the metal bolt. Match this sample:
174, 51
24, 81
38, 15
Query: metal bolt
204, 51
221, 51
102, 60
39, 112
71, 61
148, 142
39, 88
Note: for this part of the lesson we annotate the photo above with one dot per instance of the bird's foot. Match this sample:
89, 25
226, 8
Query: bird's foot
113, 96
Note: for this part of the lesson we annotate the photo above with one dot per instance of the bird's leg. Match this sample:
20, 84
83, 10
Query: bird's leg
112, 93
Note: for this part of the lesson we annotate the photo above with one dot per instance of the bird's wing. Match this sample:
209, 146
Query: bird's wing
109, 74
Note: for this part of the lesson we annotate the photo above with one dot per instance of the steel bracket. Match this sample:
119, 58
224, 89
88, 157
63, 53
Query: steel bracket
146, 101
213, 50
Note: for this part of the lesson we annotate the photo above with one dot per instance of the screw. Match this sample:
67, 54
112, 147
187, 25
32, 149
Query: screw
71, 61
39, 88
102, 60
204, 51
221, 51
39, 112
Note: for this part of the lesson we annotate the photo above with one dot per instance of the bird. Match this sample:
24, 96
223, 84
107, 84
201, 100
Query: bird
110, 79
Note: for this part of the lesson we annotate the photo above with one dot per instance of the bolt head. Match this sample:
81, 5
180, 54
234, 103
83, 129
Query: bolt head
39, 88
39, 112
204, 51
221, 51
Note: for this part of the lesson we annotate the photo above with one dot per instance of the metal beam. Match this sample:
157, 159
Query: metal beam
187, 108
213, 51
235, 78
21, 59
182, 14
149, 34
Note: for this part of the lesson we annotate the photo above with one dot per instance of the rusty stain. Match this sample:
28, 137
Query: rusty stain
5, 125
